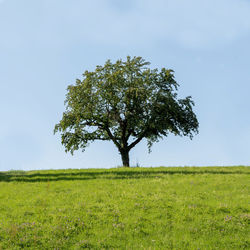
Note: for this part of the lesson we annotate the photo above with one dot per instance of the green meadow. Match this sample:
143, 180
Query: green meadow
126, 208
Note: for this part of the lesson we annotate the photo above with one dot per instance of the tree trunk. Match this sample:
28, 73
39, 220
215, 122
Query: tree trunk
125, 157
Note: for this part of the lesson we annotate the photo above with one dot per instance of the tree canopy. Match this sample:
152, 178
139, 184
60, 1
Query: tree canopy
125, 102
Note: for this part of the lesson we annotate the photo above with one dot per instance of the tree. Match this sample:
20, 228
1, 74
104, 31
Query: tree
125, 102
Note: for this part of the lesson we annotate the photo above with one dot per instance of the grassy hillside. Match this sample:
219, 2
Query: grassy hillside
138, 208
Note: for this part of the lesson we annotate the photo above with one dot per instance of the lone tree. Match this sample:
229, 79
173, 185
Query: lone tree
125, 102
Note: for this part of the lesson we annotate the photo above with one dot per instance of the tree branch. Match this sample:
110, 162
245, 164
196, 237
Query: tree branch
112, 137
137, 140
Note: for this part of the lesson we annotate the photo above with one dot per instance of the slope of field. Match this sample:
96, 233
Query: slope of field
137, 208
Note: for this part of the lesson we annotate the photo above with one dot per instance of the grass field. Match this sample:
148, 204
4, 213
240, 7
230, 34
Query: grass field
137, 208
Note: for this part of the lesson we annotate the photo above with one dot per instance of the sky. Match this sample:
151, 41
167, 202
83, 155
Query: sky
46, 44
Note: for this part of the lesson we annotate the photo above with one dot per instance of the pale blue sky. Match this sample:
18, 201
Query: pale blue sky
46, 44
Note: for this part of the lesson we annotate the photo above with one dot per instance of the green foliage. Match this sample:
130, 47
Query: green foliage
125, 102
136, 208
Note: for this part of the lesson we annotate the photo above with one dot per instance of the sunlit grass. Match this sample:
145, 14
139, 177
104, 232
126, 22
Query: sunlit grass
166, 208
